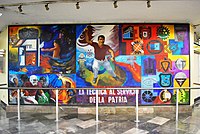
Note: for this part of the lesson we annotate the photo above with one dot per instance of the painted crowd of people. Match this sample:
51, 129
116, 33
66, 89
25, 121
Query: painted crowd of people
38, 96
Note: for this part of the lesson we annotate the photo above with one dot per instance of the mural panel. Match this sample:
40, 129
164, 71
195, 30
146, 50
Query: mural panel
99, 56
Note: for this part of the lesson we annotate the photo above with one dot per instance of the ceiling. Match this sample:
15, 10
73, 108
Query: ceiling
99, 11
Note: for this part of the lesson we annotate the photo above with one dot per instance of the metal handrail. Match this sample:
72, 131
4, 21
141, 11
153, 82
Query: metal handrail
196, 84
123, 88
3, 84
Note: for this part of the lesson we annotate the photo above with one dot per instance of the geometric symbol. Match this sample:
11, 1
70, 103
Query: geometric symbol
149, 66
163, 32
147, 96
182, 96
155, 47
176, 46
137, 46
180, 64
180, 35
165, 65
149, 81
167, 49
165, 80
128, 32
173, 47
180, 78
89, 53
145, 32
165, 96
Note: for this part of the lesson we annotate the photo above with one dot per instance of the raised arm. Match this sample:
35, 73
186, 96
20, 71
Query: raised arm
112, 54
87, 37
48, 49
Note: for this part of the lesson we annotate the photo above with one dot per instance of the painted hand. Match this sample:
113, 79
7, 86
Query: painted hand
44, 96
112, 58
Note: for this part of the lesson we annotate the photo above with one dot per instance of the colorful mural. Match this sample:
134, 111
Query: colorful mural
99, 56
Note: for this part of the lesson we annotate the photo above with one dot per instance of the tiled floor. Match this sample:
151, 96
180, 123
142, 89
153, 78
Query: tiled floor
37, 123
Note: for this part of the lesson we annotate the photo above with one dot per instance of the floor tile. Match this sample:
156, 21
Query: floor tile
192, 120
136, 131
40, 123
107, 131
158, 120
102, 132
87, 124
72, 129
50, 116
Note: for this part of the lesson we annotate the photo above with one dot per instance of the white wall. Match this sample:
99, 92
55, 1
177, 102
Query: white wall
194, 69
4, 76
195, 93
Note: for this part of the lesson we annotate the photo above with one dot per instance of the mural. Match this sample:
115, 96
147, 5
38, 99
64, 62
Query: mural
99, 56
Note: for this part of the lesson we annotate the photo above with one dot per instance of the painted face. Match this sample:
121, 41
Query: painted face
42, 82
15, 80
33, 80
101, 40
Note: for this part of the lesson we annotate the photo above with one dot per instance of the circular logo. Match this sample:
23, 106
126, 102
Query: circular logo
165, 96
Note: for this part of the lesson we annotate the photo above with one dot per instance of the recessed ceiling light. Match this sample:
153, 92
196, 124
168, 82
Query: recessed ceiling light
0, 14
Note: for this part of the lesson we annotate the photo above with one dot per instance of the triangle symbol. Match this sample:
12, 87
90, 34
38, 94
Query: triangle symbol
180, 81
165, 65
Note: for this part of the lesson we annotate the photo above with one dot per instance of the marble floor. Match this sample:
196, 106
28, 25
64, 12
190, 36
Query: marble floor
37, 123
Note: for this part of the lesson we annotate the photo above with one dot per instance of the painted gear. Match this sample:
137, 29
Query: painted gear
147, 96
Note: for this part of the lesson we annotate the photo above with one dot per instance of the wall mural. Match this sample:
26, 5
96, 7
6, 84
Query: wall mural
99, 56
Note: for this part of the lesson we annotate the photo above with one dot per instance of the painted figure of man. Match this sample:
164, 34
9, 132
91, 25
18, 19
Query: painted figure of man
100, 50
56, 49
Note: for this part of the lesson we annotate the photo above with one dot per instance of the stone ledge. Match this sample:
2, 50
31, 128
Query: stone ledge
127, 110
